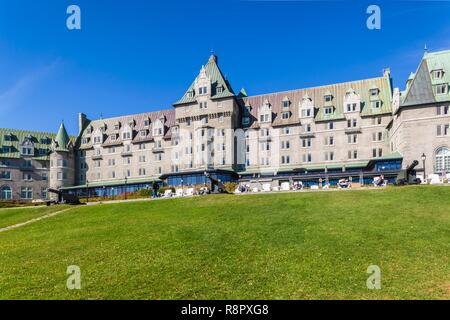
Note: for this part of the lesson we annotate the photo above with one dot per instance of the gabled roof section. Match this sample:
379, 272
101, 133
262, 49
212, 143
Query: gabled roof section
421, 90
217, 80
316, 95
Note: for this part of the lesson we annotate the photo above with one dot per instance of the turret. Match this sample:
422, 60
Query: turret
62, 161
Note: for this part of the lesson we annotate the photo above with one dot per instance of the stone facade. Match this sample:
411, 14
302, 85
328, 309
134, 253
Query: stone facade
356, 130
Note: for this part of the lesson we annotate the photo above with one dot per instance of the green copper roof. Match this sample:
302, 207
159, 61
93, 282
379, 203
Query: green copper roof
213, 72
422, 84
112, 183
62, 139
12, 139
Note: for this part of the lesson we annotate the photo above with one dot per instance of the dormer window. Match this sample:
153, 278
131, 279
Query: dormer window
146, 123
441, 88
117, 126
202, 90
286, 102
307, 113
190, 94
328, 110
376, 104
245, 121
219, 89
113, 137
328, 98
374, 92
285, 115
89, 130
84, 140
98, 139
27, 151
351, 107
265, 118
143, 133
126, 135
438, 74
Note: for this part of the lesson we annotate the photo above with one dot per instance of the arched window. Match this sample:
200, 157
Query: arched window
442, 160
5, 193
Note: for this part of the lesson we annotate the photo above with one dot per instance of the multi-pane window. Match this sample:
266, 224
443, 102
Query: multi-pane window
374, 92
351, 107
377, 136
112, 162
27, 151
376, 120
307, 157
442, 110
285, 159
437, 74
203, 105
285, 145
441, 88
264, 117
442, 130
142, 171
307, 128
285, 130
442, 161
330, 125
306, 113
6, 175
265, 146
329, 156
328, 110
352, 138
27, 176
376, 104
265, 161
329, 141
286, 104
285, 115
328, 98
265, 132
352, 123
202, 90
306, 142
26, 193
377, 152
353, 154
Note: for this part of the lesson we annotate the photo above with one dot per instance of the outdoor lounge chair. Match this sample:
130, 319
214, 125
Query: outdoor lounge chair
179, 192
168, 193
285, 186
266, 187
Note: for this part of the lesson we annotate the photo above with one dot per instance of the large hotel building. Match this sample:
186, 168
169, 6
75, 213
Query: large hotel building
354, 130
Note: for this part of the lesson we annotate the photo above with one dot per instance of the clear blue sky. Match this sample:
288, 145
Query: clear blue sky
135, 56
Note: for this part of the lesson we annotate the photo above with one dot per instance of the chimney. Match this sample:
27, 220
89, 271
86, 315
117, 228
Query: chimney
387, 72
82, 121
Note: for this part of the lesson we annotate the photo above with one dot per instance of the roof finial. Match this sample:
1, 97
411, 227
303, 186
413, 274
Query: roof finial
425, 49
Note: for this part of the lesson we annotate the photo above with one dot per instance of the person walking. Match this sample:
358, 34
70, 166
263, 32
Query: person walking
155, 188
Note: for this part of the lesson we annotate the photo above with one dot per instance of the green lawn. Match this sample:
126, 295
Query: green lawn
13, 216
267, 246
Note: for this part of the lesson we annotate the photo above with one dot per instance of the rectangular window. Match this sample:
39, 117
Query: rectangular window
441, 88
285, 115
26, 193
328, 110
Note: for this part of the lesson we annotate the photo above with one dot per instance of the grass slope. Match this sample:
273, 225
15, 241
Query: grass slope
271, 246
13, 216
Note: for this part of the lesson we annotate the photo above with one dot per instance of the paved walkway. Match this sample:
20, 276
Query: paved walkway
50, 215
